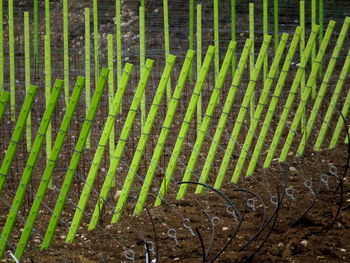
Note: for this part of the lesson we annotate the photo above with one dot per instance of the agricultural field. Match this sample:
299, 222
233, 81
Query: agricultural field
174, 131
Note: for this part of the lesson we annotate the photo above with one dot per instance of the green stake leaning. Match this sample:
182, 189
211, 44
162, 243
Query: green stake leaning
50, 167
102, 145
74, 162
224, 115
28, 170
170, 60
119, 150
16, 136
214, 99
4, 97
242, 112
164, 132
185, 125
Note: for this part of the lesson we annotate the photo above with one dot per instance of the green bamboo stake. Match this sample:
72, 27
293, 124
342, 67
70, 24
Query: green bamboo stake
199, 62
65, 51
305, 95
111, 90
191, 34
164, 132
96, 40
185, 125
28, 170
143, 3
252, 51
265, 32
302, 50
36, 35
321, 23
224, 115
74, 162
96, 162
233, 32
142, 61
291, 98
118, 39
260, 107
87, 70
340, 123
12, 60
327, 77
47, 18
274, 101
334, 100
313, 55
135, 163
4, 97
1, 48
16, 136
242, 113
275, 23
119, 150
27, 76
167, 45
216, 40
214, 99
49, 169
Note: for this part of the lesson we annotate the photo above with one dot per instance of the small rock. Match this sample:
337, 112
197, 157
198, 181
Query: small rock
304, 243
117, 194
36, 241
108, 227
63, 237
103, 169
225, 228
343, 250
293, 170
176, 259
280, 245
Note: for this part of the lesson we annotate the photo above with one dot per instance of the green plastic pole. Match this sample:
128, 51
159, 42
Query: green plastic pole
65, 51
260, 107
164, 132
265, 32
224, 115
327, 77
332, 105
142, 61
49, 169
321, 23
135, 163
119, 150
27, 76
216, 40
242, 113
4, 97
207, 119
167, 45
199, 62
29, 168
1, 48
48, 93
307, 91
142, 3
47, 18
96, 40
191, 34
340, 123
96, 162
313, 55
274, 101
302, 50
12, 60
87, 69
185, 125
291, 98
111, 90
74, 162
275, 23
118, 39
16, 135
233, 32
252, 51
36, 35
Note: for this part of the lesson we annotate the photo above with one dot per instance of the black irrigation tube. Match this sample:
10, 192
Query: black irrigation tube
341, 179
275, 216
212, 237
202, 244
155, 233
296, 221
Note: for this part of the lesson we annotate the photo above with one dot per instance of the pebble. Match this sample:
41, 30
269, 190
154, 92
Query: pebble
176, 259
108, 227
343, 250
293, 170
280, 245
36, 241
225, 228
304, 243
63, 237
